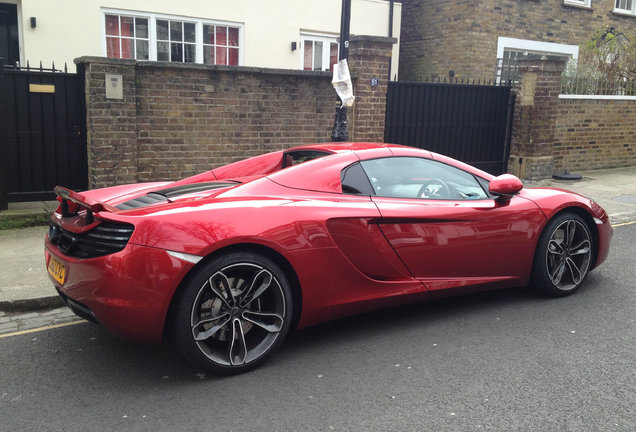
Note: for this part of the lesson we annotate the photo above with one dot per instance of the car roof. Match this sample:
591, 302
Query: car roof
323, 174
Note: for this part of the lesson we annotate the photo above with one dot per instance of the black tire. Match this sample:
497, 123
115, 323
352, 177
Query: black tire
563, 257
233, 313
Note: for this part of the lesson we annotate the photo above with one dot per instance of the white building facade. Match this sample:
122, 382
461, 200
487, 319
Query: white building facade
286, 34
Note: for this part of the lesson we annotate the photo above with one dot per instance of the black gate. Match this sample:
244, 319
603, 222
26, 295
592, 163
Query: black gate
43, 142
469, 122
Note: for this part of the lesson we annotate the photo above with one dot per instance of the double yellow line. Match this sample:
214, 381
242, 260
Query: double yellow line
39, 329
623, 224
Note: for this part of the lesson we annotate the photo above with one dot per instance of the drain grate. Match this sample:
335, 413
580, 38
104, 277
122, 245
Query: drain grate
626, 198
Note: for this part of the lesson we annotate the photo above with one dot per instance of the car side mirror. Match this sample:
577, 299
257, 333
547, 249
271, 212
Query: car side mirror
505, 186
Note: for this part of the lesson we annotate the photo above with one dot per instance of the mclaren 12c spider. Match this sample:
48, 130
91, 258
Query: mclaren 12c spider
226, 263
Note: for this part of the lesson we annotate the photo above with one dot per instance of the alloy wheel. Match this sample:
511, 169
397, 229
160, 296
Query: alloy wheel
238, 314
568, 254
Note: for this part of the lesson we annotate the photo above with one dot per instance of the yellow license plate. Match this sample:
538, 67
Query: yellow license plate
57, 270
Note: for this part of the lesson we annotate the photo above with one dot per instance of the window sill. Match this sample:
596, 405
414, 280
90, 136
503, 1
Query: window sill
577, 6
624, 13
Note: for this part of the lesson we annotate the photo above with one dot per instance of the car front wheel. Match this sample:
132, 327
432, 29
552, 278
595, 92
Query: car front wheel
234, 313
564, 255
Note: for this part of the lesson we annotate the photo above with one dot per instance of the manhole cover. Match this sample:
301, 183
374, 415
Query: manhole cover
626, 198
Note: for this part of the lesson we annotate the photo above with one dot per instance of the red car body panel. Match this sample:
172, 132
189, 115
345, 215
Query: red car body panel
456, 244
348, 253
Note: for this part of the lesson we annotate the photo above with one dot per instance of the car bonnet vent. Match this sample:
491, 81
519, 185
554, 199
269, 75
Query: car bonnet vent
106, 238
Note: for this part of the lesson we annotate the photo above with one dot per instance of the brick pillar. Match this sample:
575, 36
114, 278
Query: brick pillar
369, 58
534, 124
111, 121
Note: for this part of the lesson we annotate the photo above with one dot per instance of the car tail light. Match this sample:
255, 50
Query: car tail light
104, 239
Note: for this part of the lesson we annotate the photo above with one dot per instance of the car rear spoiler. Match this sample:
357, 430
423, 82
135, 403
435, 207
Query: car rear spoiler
66, 195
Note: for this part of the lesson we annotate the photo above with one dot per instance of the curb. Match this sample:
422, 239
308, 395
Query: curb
33, 304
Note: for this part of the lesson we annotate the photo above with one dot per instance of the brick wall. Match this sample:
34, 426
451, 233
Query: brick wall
553, 132
176, 120
369, 59
593, 134
440, 35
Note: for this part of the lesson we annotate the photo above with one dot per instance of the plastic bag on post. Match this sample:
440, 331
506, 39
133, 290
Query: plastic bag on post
342, 83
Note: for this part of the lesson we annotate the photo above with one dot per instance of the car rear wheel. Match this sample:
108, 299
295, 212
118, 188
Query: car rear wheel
233, 313
564, 255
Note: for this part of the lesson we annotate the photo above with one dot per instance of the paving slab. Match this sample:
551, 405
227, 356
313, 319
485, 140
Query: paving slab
23, 279
613, 189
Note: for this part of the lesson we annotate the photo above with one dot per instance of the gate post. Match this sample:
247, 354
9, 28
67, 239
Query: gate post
369, 56
4, 192
535, 116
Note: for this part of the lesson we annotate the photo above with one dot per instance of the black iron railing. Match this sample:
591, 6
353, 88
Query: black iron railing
572, 85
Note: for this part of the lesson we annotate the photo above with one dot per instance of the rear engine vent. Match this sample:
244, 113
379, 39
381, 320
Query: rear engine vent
106, 238
143, 201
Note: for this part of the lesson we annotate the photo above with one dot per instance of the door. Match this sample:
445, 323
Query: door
44, 142
447, 230
469, 122
9, 45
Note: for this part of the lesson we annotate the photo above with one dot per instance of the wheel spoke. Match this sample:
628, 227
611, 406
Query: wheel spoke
574, 271
557, 273
570, 232
205, 334
555, 247
237, 350
220, 286
260, 283
582, 248
268, 321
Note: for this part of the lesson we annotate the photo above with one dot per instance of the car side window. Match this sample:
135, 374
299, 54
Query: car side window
411, 177
355, 181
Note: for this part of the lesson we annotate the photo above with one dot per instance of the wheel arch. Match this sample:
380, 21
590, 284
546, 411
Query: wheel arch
587, 219
268, 252
591, 225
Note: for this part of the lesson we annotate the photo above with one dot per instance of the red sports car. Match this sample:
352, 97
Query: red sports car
227, 262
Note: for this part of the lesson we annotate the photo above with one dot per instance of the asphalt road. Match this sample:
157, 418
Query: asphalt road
504, 361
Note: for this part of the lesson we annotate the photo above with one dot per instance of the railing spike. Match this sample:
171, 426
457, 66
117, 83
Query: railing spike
28, 66
53, 66
65, 69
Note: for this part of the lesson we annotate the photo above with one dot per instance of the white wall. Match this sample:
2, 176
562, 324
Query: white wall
67, 29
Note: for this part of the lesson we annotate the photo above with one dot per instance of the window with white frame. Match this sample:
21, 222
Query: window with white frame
585, 3
169, 38
509, 50
127, 37
625, 6
176, 41
318, 53
220, 44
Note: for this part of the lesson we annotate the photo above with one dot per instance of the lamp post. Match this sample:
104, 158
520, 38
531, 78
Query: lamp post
340, 132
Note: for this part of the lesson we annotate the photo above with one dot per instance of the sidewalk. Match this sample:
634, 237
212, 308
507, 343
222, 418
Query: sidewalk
24, 283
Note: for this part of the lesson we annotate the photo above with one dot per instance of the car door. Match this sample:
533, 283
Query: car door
447, 230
